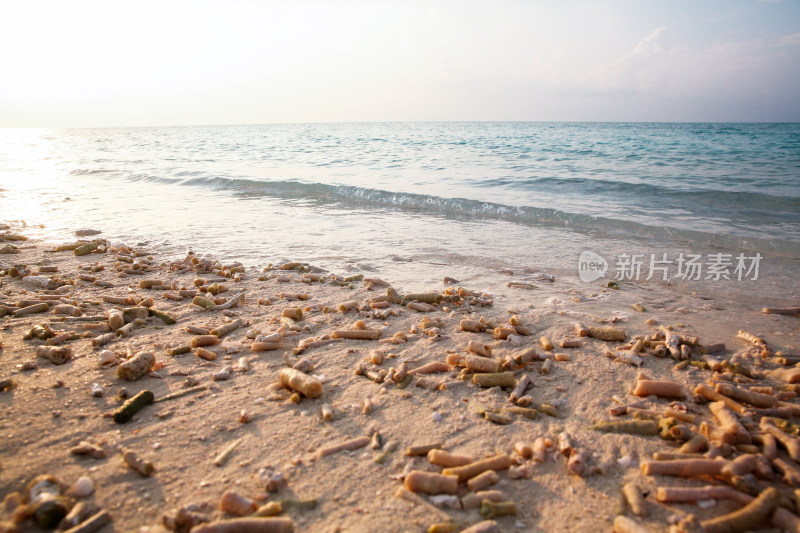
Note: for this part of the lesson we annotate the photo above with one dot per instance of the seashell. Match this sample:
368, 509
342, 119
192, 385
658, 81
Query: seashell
236, 504
224, 374
83, 487
626, 461
516, 340
106, 358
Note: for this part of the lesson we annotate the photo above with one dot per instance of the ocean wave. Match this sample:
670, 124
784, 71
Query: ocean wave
680, 193
349, 197
92, 171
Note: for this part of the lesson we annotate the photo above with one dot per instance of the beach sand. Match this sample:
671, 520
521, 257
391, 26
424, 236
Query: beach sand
49, 409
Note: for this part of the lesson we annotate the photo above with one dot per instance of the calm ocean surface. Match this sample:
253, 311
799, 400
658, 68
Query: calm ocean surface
416, 201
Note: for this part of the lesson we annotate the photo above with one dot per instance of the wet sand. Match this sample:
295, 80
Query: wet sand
51, 408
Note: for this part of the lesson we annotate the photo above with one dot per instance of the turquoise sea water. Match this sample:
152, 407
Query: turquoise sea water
412, 200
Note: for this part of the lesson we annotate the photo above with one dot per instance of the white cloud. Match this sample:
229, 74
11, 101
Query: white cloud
793, 38
725, 80
652, 44
634, 70
656, 65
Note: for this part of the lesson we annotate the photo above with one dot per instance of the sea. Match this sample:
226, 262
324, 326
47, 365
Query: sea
415, 202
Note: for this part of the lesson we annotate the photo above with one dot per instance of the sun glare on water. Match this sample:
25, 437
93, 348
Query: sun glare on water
28, 174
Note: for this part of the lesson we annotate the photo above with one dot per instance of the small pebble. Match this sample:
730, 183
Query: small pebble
445, 501
224, 374
271, 479
83, 487
516, 340
627, 461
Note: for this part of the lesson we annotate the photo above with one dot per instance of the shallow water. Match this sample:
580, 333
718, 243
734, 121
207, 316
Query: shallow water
415, 202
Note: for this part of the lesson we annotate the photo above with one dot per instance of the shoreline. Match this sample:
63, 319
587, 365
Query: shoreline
435, 195
183, 437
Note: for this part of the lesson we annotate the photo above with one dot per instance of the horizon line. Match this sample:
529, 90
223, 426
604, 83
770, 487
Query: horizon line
310, 123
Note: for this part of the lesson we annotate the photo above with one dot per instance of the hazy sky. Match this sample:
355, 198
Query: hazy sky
108, 63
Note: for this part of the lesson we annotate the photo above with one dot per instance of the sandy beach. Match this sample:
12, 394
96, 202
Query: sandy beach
400, 267
373, 379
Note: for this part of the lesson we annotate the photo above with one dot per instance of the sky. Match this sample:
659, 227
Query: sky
104, 63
